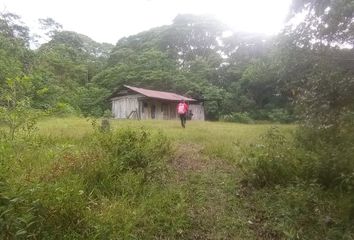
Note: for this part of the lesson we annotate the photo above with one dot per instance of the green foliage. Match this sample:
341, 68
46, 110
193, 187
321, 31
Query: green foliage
158, 214
150, 68
14, 224
237, 117
302, 187
332, 165
105, 125
65, 67
325, 20
107, 114
316, 156
30, 213
92, 100
322, 81
271, 162
15, 57
12, 27
190, 57
50, 26
303, 211
16, 112
201, 195
134, 150
94, 186
63, 109
281, 115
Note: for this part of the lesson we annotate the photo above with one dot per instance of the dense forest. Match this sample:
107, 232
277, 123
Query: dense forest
300, 184
241, 76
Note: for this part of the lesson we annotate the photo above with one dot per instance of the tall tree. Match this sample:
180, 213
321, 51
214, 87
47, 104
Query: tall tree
320, 53
192, 37
65, 65
15, 57
50, 26
330, 22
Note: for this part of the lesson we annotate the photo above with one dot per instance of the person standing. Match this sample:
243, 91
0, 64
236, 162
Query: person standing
182, 110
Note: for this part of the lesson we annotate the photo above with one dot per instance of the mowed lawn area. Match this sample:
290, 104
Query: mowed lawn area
199, 195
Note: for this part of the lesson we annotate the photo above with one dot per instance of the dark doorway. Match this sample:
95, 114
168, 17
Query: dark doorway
153, 110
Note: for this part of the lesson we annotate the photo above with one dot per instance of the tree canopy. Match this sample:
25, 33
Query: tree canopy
260, 76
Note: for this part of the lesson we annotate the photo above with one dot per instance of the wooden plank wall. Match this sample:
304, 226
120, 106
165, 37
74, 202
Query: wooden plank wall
198, 111
163, 110
124, 105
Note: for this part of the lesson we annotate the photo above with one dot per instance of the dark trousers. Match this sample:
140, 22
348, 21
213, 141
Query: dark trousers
183, 118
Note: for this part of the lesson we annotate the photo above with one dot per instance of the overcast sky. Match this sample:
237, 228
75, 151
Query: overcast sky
110, 20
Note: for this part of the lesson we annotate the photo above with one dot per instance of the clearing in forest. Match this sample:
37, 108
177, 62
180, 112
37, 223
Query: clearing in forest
196, 195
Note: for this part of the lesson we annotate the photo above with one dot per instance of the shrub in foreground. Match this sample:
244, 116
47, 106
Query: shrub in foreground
311, 157
108, 186
304, 211
303, 186
137, 150
270, 162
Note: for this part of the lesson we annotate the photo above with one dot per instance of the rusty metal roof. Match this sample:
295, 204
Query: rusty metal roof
159, 94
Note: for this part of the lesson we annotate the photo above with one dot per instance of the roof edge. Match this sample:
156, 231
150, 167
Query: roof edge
176, 96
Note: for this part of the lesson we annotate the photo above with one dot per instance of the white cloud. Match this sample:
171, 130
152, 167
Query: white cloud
109, 20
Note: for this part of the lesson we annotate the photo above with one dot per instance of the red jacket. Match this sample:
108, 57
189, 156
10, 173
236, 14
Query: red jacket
185, 107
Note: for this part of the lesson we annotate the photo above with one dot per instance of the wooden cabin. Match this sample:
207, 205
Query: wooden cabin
139, 103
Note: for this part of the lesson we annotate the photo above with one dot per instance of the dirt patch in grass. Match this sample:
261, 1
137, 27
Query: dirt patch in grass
190, 157
187, 157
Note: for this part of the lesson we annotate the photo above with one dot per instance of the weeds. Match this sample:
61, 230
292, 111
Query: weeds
55, 186
309, 158
270, 162
304, 186
72, 182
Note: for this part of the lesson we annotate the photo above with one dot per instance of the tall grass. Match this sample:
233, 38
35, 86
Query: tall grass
156, 180
303, 185
102, 185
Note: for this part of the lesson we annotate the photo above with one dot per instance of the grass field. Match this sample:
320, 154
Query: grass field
156, 180
217, 139
198, 197
203, 167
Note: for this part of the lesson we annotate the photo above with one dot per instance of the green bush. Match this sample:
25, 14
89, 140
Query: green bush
304, 185
305, 211
17, 215
237, 117
132, 159
107, 114
63, 110
321, 156
137, 150
315, 156
271, 162
43, 212
280, 115
332, 164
